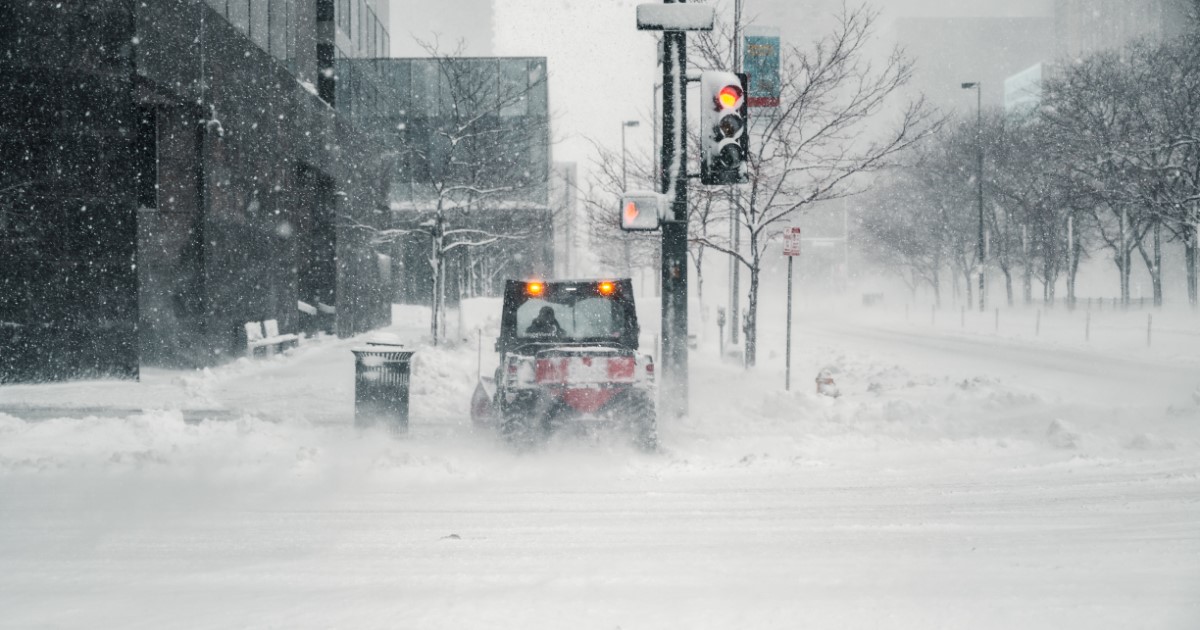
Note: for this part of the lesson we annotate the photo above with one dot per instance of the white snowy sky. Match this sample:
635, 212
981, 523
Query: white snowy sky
602, 69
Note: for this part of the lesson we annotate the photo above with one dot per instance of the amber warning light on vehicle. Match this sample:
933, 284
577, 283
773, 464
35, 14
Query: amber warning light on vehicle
535, 289
607, 288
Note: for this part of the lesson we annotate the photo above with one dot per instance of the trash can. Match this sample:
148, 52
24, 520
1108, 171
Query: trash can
381, 376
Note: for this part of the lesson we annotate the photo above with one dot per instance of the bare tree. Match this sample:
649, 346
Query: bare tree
942, 170
1099, 133
615, 249
901, 230
818, 143
1168, 107
1032, 219
1110, 161
474, 170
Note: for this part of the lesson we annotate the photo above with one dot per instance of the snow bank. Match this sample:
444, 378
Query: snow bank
290, 414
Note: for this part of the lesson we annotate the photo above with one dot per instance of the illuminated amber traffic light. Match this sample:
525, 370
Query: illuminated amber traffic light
725, 138
729, 96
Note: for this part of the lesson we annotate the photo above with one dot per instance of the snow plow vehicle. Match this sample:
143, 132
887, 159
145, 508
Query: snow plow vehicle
568, 359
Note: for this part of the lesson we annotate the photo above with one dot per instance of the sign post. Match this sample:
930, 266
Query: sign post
791, 249
761, 63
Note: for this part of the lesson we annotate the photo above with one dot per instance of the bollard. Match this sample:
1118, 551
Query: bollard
1149, 326
1087, 327
721, 330
1037, 326
997, 320
381, 384
964, 317
933, 315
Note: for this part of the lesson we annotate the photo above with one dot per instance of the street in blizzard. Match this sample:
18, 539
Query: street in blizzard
526, 313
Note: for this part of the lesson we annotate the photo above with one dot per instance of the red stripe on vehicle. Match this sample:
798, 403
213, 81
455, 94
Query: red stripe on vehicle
588, 400
551, 371
621, 368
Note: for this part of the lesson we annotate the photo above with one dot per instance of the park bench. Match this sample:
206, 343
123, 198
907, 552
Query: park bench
319, 318
265, 335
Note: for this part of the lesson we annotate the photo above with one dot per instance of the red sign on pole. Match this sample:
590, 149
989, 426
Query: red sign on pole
791, 241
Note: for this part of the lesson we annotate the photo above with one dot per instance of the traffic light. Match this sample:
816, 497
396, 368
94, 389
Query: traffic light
640, 211
725, 138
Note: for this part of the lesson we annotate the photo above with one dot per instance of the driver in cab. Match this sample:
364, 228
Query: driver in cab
545, 324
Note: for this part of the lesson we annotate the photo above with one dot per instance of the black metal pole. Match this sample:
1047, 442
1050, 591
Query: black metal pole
673, 395
735, 231
979, 182
787, 383
625, 188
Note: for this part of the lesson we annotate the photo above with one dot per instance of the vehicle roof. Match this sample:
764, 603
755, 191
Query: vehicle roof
575, 280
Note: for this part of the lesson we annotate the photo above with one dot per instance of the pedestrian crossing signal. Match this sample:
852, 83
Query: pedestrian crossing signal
641, 212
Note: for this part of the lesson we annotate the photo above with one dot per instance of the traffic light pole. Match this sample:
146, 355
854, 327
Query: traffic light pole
673, 397
735, 230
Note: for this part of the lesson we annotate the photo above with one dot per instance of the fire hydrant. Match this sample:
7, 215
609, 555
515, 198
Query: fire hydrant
825, 384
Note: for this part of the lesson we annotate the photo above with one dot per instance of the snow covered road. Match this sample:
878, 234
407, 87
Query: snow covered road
952, 485
1080, 374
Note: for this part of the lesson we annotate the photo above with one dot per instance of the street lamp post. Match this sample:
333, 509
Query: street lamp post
624, 175
978, 87
655, 174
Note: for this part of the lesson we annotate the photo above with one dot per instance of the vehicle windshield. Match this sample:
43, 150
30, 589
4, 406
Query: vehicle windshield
583, 318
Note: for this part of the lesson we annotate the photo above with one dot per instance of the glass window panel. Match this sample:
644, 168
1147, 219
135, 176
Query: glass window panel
218, 6
514, 88
290, 38
401, 79
279, 29
424, 88
343, 75
538, 88
589, 318
260, 23
239, 14
374, 36
364, 18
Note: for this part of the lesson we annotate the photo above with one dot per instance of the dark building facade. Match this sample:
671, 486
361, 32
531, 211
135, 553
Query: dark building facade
169, 171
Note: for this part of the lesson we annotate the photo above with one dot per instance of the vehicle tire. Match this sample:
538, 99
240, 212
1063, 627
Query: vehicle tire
523, 426
643, 423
